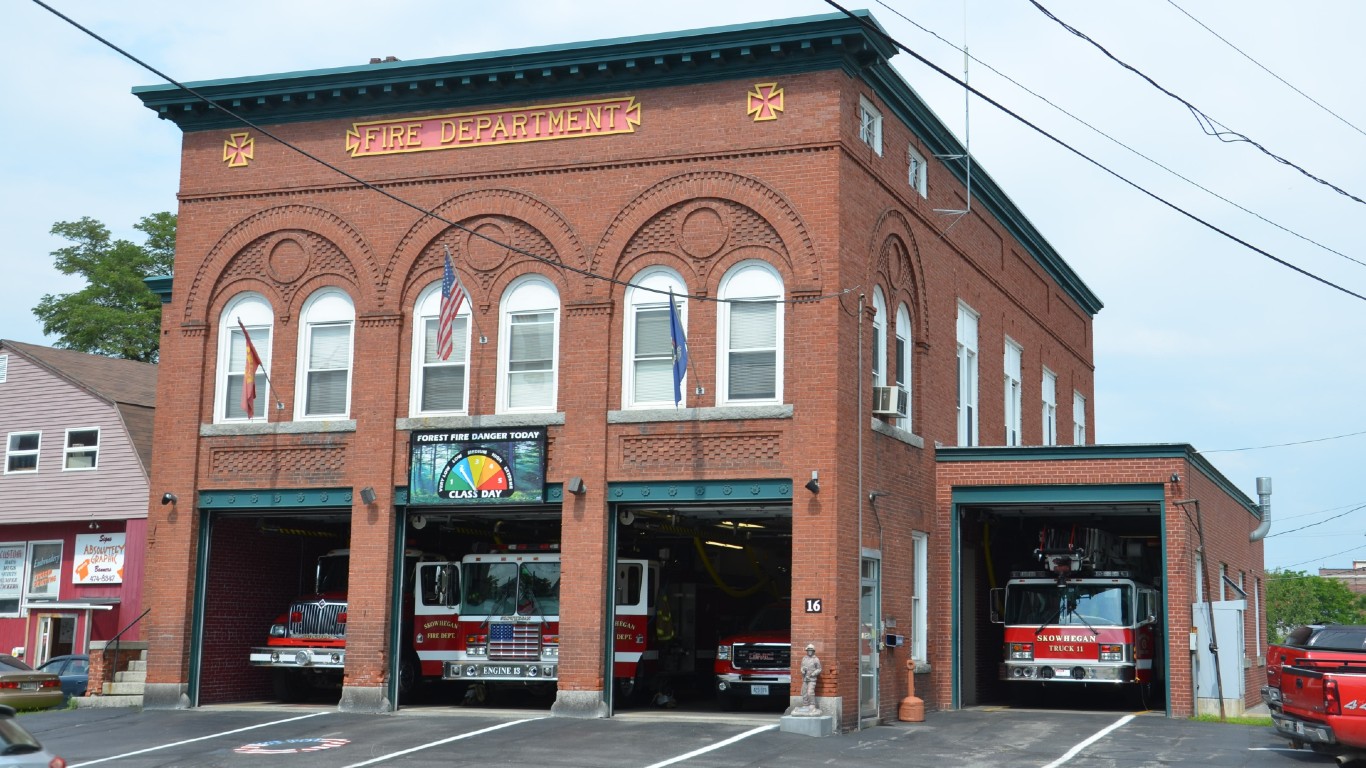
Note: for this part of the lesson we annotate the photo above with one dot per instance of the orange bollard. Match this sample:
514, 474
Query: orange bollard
912, 709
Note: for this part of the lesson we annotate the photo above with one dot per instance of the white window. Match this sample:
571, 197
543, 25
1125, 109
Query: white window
918, 172
439, 386
967, 375
648, 364
325, 344
1050, 407
252, 311
902, 360
1078, 419
750, 335
21, 455
528, 346
870, 124
1013, 364
82, 448
879, 338
920, 543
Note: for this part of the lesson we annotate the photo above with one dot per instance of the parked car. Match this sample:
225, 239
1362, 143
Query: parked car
18, 748
24, 687
73, 669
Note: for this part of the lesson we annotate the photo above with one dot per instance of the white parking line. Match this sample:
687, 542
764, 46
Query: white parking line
1097, 736
717, 745
191, 741
429, 745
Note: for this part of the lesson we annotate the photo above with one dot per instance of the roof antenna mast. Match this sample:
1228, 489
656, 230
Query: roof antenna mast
966, 157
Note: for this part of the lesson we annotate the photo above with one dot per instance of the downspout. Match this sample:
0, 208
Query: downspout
1264, 504
858, 545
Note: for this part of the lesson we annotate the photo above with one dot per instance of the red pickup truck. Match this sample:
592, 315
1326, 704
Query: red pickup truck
1317, 690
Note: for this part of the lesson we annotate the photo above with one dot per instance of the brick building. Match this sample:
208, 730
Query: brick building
783, 182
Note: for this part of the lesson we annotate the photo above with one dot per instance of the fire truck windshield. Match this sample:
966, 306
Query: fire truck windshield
1071, 605
504, 589
332, 573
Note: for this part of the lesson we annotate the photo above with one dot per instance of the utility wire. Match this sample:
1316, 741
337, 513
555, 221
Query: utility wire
1209, 125
1283, 445
414, 206
1320, 558
1260, 66
1175, 173
1321, 522
873, 30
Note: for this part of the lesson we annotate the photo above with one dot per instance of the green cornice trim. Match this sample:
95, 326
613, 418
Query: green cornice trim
709, 491
1058, 494
275, 498
772, 48
1182, 451
160, 285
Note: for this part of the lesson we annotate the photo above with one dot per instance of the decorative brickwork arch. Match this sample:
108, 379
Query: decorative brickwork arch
895, 255
283, 248
702, 216
502, 216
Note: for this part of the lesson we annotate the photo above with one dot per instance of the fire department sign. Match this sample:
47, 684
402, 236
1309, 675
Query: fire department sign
579, 119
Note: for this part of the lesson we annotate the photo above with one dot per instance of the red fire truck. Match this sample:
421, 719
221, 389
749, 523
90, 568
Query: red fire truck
1070, 623
494, 619
306, 645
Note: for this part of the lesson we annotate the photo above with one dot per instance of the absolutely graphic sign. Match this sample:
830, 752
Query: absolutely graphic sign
485, 466
98, 559
459, 130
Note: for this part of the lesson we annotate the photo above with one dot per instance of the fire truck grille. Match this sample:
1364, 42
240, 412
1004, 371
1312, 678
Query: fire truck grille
763, 656
317, 619
514, 641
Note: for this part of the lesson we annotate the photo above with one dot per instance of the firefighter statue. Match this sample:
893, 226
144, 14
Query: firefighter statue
811, 669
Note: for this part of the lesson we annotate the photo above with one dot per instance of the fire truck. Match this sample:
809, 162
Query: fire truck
494, 620
1072, 623
306, 645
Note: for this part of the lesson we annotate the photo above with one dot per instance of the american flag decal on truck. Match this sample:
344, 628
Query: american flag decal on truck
514, 641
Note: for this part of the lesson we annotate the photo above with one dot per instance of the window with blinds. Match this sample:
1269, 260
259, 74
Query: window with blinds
529, 345
1014, 359
648, 380
967, 375
750, 369
439, 386
252, 311
325, 360
1050, 407
237, 366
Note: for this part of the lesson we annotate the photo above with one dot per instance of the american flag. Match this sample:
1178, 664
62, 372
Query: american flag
452, 296
514, 641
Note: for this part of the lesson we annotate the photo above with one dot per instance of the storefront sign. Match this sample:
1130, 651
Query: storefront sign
477, 467
508, 126
99, 559
45, 562
11, 576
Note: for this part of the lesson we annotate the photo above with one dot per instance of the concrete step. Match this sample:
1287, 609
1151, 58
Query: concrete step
124, 689
131, 676
98, 702
137, 665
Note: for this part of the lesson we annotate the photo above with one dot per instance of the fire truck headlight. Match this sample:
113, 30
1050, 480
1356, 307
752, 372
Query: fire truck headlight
277, 630
1021, 651
723, 653
1111, 652
302, 658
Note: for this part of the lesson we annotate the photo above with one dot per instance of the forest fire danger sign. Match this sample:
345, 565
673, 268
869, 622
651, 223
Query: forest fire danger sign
99, 559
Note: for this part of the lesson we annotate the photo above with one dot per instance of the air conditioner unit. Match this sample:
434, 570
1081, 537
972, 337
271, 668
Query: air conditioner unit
890, 401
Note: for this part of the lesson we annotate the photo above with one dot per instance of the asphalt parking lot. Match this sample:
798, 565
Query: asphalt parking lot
317, 737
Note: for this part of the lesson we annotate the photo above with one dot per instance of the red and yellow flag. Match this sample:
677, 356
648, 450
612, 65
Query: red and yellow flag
249, 377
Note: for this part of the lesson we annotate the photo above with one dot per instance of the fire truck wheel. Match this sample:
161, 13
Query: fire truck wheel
290, 687
629, 691
408, 666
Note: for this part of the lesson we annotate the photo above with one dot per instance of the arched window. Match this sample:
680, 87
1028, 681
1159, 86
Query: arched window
439, 386
902, 361
647, 367
325, 343
528, 345
256, 315
750, 335
879, 338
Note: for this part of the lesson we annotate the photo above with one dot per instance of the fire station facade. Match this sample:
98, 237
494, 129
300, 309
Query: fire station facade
786, 185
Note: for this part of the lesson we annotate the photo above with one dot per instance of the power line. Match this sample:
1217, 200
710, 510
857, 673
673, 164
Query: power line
1206, 123
873, 29
1260, 66
1324, 557
414, 206
1173, 172
1321, 522
1283, 445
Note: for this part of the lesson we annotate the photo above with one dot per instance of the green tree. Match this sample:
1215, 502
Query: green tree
1294, 598
116, 314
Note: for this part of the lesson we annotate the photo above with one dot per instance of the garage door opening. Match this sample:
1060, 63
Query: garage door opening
713, 632
1062, 606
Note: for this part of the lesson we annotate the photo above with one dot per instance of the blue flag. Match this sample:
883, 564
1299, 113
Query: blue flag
680, 349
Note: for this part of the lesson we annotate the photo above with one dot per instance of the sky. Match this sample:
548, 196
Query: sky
1202, 340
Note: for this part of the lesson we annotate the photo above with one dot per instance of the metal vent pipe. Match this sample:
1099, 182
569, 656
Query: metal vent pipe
1264, 502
